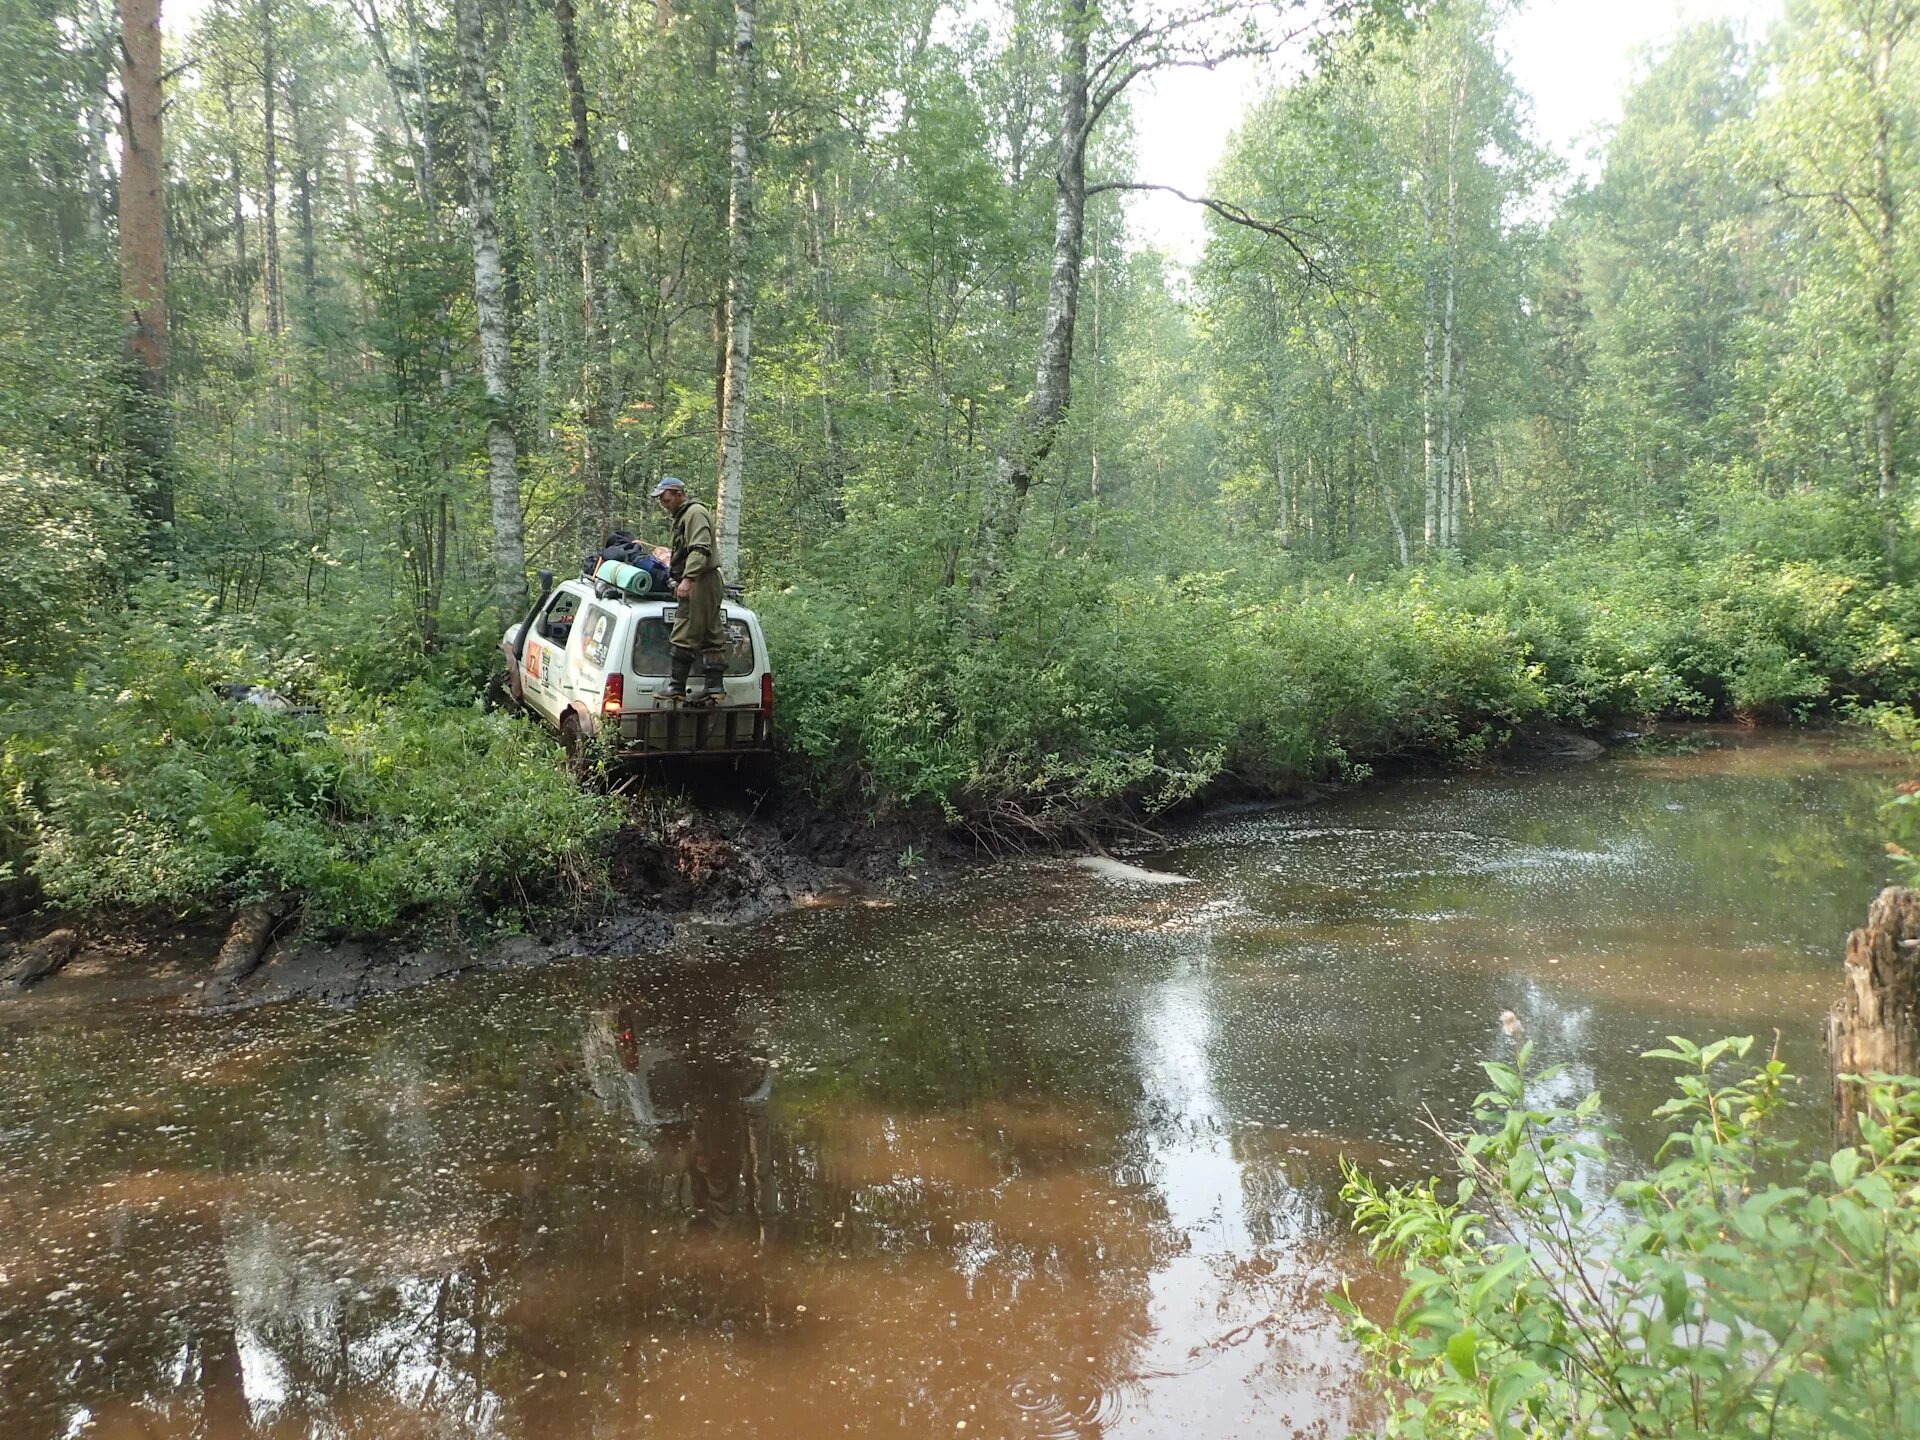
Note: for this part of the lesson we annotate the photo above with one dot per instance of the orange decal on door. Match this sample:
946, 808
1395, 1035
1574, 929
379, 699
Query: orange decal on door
533, 662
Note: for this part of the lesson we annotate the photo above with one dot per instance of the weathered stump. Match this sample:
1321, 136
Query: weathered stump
40, 958
1875, 1029
245, 947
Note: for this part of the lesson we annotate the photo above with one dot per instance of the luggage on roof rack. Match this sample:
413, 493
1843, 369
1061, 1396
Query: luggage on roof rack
639, 581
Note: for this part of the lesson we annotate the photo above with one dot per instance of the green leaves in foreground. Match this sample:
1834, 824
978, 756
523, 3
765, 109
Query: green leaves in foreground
1698, 1301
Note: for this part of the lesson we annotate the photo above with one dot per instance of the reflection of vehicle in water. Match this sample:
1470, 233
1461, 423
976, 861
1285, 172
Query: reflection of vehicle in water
687, 1063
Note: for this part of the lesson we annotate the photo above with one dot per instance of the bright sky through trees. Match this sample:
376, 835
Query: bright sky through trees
1573, 57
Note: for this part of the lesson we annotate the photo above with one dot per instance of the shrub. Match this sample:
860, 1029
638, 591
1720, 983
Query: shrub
1699, 1301
138, 786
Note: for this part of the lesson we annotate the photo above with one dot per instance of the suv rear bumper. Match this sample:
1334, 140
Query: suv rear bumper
695, 730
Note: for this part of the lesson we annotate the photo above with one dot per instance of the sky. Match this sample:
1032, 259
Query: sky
1573, 57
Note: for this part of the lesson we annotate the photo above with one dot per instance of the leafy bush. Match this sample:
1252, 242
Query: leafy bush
1088, 688
138, 786
57, 534
1699, 1301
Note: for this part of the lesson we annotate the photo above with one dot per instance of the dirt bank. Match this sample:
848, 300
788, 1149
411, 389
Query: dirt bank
688, 870
686, 867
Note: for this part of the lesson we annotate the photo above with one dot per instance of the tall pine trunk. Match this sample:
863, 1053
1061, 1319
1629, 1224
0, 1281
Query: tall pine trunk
270, 219
489, 296
739, 364
143, 255
597, 355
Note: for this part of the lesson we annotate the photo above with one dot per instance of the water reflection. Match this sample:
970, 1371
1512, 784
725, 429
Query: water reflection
1055, 1154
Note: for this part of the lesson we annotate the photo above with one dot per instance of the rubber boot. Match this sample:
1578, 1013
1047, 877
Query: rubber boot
715, 676
676, 686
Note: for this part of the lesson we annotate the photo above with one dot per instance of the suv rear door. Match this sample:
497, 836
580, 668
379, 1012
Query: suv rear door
652, 652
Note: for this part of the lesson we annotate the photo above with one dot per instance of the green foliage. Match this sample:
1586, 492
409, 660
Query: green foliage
1450, 467
65, 540
1702, 1300
138, 786
1101, 688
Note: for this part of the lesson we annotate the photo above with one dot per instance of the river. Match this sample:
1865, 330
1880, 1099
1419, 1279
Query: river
1052, 1153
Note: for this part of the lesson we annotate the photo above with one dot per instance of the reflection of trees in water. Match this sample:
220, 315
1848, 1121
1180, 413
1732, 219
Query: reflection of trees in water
461, 1215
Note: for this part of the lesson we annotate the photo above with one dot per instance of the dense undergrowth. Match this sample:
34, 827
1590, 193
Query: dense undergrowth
1088, 688
1082, 695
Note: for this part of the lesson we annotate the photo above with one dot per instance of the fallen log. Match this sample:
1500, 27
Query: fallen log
37, 959
1875, 1029
242, 951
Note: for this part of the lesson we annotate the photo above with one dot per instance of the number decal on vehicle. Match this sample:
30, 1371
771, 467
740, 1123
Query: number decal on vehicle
533, 662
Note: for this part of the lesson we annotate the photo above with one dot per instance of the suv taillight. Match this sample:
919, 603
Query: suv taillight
766, 694
613, 696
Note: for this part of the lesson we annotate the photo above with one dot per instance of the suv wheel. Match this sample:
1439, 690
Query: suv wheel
579, 763
500, 694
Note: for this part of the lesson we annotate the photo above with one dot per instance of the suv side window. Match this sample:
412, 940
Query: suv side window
598, 638
557, 623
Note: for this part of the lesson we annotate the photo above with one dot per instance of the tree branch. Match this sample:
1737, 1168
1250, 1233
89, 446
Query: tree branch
1280, 229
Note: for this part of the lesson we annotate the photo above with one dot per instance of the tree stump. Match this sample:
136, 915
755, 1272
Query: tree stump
245, 947
1875, 1029
40, 958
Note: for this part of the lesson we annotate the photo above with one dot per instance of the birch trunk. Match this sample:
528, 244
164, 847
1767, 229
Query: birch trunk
1032, 439
1449, 525
489, 295
1886, 289
1386, 495
734, 385
1429, 487
597, 352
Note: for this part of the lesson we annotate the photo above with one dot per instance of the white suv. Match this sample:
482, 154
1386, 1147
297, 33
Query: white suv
592, 657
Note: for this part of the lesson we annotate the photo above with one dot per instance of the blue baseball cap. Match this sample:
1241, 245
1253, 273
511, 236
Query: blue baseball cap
668, 482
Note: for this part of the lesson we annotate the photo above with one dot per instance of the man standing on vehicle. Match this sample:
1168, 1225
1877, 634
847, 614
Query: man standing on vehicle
697, 584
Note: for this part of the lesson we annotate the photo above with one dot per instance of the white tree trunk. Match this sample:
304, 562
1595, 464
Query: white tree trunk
489, 297
1385, 483
1032, 438
1429, 481
734, 384
1449, 489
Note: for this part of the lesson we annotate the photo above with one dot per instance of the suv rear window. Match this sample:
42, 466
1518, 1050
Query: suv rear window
651, 648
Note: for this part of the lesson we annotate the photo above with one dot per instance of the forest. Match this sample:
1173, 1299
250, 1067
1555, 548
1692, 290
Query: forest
325, 324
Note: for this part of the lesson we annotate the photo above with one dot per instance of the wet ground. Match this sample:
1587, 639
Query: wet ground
1054, 1153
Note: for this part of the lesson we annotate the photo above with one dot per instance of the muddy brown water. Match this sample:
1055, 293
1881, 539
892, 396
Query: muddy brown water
1055, 1153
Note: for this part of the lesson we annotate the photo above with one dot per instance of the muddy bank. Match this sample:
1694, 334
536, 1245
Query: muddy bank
687, 875
694, 866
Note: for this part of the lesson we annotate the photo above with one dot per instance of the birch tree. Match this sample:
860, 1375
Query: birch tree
739, 359
489, 296
1100, 54
1834, 138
